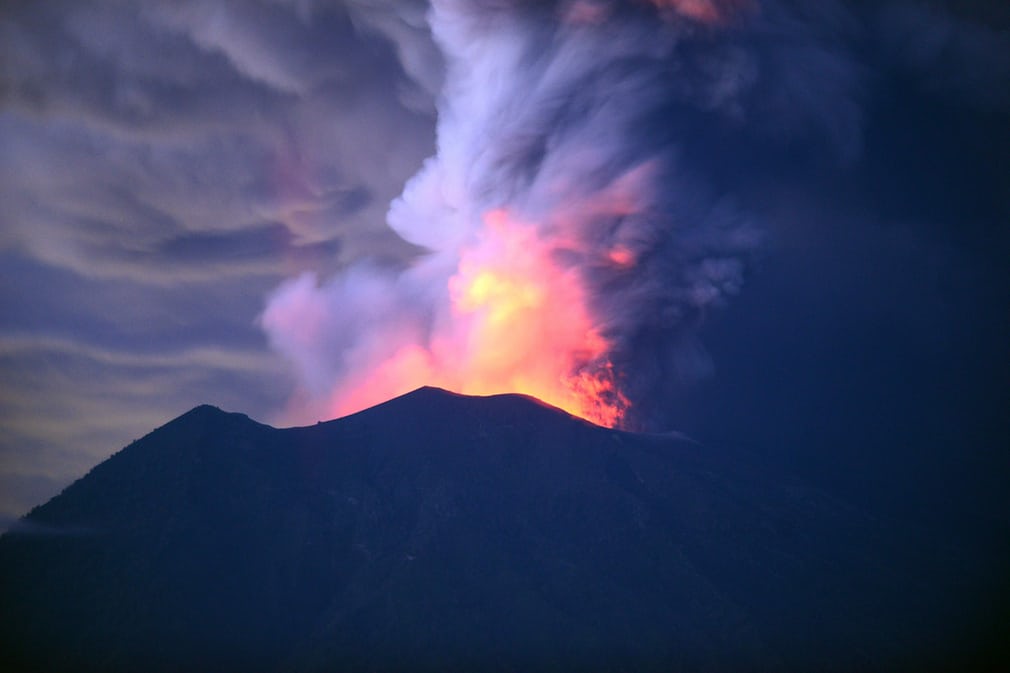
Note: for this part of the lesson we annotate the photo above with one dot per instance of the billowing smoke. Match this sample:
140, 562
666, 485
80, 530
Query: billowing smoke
569, 248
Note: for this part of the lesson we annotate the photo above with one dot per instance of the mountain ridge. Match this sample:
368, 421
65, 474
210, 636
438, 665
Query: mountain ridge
439, 531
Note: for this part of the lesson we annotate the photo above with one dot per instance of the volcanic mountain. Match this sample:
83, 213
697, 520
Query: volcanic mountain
445, 532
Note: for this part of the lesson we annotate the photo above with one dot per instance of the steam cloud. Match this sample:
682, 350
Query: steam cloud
561, 170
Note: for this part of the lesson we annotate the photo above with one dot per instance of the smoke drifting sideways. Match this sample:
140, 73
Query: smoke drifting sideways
568, 251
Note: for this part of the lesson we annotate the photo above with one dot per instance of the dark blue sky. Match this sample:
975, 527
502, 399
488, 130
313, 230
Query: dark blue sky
165, 166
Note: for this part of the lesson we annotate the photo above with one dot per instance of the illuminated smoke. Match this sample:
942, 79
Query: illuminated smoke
569, 252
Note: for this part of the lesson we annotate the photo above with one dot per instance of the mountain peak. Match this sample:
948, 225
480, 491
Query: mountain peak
204, 409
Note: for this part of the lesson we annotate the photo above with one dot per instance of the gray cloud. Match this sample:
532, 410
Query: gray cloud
230, 359
130, 127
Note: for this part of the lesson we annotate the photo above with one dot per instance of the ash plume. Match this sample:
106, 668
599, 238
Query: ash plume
569, 244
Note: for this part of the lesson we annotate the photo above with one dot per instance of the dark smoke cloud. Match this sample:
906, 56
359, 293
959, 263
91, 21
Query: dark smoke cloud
946, 53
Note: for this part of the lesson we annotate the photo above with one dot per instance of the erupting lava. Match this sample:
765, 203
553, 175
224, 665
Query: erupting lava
559, 226
519, 323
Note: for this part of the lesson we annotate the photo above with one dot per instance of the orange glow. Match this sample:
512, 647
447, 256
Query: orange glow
519, 323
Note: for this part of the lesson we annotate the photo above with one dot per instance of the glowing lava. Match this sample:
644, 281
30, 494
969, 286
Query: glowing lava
518, 322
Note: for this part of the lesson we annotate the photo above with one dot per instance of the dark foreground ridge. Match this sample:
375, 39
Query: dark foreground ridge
442, 532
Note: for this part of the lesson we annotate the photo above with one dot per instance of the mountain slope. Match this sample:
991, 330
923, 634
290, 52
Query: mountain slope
444, 532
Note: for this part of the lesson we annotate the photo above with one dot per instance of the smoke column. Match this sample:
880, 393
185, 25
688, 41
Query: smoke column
567, 252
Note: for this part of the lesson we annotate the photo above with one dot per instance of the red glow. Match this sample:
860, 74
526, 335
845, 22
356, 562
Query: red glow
711, 12
519, 323
621, 257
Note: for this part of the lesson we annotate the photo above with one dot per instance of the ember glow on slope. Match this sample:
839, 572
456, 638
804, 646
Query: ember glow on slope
553, 233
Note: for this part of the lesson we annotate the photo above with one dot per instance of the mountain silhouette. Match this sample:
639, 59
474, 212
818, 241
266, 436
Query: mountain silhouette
441, 532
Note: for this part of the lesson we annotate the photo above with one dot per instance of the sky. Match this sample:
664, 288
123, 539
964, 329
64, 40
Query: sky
775, 225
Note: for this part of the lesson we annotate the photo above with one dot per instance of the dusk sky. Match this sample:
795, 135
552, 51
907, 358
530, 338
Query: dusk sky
783, 225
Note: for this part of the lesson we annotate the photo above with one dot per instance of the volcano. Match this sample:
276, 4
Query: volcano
444, 532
